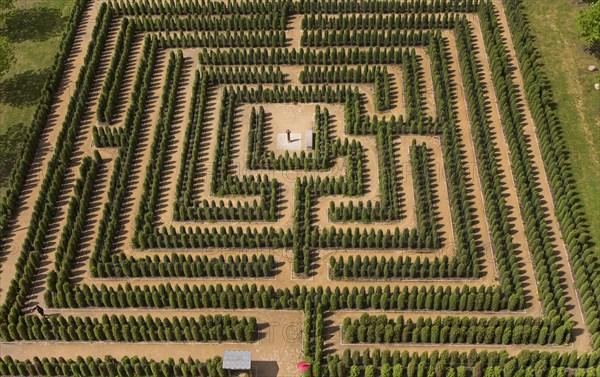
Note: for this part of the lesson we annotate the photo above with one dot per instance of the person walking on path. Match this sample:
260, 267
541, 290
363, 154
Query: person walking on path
40, 310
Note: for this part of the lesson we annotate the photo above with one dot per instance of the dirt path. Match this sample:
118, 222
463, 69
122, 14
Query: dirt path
125, 93
294, 32
427, 89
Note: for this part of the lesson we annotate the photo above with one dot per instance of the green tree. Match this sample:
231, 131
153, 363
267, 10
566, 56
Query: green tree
588, 23
7, 55
6, 4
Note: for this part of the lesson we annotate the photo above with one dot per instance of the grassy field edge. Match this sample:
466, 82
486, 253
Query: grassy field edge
578, 104
34, 28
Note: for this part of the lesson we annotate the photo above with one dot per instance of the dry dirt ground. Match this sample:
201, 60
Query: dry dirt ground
279, 338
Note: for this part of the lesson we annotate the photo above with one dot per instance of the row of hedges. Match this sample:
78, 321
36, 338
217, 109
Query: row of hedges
303, 202
385, 6
410, 21
313, 337
107, 136
177, 265
291, 94
224, 237
243, 296
141, 329
174, 7
412, 79
216, 39
364, 212
377, 362
506, 331
194, 134
223, 159
109, 94
109, 366
66, 250
340, 74
382, 89
465, 299
200, 7
192, 22
240, 237
357, 267
384, 363
302, 56
362, 38
244, 75
425, 201
360, 238
265, 209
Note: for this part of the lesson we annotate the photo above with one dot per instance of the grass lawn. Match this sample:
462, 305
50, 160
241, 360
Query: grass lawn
34, 28
566, 61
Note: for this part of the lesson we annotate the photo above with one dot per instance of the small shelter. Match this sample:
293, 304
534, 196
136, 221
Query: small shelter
310, 139
238, 361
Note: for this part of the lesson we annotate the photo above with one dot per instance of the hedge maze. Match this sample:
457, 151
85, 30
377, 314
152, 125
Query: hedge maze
160, 213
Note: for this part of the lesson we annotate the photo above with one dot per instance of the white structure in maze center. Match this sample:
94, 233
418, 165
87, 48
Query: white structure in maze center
293, 142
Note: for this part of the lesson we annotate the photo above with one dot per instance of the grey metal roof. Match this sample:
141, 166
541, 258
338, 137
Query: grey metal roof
237, 360
309, 139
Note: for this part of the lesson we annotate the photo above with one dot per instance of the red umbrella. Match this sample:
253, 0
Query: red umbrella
303, 366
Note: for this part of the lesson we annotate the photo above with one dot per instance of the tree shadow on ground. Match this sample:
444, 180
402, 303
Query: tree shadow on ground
594, 50
10, 147
23, 89
33, 24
